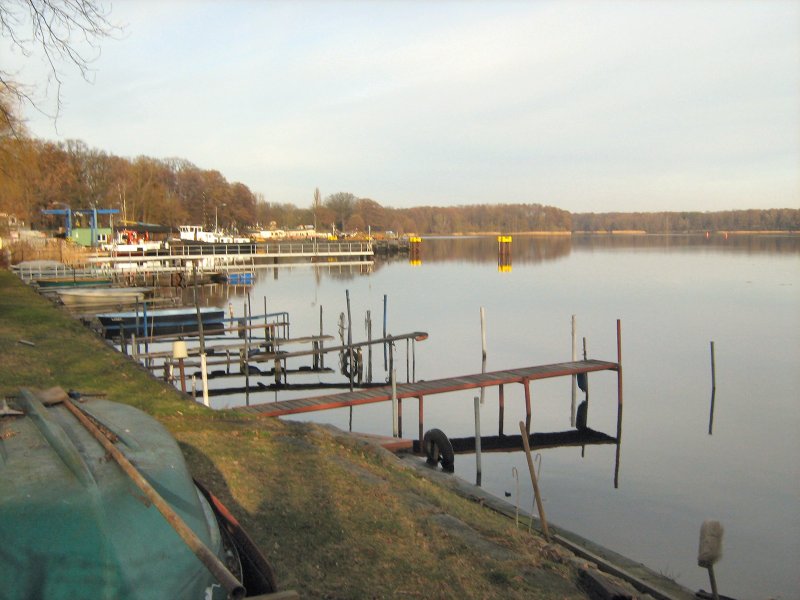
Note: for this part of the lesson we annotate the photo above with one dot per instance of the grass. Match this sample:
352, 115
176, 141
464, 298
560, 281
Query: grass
336, 517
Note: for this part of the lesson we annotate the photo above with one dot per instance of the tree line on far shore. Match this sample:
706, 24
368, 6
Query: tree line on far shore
37, 175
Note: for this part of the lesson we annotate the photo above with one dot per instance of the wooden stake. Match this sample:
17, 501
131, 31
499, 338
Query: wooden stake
537, 496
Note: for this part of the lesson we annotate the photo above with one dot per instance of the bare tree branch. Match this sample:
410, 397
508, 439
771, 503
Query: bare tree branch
60, 32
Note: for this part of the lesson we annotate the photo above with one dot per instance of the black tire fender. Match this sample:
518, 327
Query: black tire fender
438, 449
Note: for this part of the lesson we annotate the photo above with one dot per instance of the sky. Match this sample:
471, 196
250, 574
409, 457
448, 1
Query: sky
588, 106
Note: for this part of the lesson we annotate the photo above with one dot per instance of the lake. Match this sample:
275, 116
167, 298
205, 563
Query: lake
674, 295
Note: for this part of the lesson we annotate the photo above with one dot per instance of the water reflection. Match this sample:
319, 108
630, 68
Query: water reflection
527, 249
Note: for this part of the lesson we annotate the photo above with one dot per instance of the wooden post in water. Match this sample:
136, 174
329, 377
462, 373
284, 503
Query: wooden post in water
477, 403
350, 361
321, 353
713, 391
524, 429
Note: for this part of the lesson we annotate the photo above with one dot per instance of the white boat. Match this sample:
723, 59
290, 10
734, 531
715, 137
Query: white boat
196, 233
103, 296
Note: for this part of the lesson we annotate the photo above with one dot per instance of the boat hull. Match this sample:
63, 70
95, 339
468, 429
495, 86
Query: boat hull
103, 296
160, 322
76, 525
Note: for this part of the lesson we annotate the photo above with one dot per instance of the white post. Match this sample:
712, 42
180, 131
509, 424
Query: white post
204, 376
574, 377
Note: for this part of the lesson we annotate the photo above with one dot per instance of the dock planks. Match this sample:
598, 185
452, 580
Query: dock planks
427, 388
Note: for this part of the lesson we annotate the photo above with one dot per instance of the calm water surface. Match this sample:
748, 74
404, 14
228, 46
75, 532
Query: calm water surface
674, 295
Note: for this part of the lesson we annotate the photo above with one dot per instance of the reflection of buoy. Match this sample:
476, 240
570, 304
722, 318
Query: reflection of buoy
439, 449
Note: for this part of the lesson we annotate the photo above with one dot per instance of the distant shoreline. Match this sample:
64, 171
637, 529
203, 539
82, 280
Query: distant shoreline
614, 232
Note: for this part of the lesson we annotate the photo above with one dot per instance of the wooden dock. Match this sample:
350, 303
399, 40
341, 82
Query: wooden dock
421, 389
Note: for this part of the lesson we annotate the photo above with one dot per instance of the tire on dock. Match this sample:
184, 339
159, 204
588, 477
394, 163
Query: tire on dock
438, 449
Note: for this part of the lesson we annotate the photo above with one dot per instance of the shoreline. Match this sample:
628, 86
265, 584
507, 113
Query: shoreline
336, 516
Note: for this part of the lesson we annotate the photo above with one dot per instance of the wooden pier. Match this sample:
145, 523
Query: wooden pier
421, 389
499, 379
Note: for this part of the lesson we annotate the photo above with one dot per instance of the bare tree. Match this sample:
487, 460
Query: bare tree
58, 32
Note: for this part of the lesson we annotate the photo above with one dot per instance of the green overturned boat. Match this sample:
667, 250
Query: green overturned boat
96, 502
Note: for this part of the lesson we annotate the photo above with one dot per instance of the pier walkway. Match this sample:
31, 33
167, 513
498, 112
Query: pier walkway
421, 389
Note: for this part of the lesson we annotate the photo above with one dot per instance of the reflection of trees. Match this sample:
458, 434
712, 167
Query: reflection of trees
756, 243
483, 249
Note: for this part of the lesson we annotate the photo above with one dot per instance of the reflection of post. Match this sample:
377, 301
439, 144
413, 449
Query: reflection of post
619, 402
478, 440
483, 347
713, 391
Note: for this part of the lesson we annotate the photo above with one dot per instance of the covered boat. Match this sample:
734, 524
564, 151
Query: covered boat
161, 321
76, 524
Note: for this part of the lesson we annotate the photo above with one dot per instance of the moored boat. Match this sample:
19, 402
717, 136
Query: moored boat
103, 296
161, 321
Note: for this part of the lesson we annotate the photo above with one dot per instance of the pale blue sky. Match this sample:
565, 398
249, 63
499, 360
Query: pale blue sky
588, 106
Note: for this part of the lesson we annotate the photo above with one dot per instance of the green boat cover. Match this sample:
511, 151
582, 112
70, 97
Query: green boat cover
73, 525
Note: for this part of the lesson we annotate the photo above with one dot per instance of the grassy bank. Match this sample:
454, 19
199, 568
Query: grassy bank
336, 517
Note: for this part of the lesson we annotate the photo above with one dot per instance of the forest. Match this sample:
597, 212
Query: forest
37, 175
